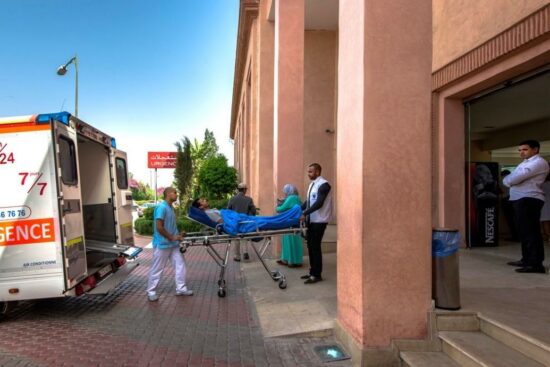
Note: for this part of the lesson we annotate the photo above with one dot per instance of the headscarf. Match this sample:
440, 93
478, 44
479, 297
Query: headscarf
290, 189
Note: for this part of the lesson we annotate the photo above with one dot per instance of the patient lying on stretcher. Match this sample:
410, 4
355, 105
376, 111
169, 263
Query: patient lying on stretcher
234, 223
213, 214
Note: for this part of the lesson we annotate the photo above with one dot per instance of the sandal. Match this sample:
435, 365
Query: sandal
282, 262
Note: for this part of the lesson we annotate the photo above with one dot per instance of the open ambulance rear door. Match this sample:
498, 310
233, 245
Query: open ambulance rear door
122, 197
70, 200
31, 260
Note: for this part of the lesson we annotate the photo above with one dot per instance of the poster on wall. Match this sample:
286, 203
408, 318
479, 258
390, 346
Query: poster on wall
483, 193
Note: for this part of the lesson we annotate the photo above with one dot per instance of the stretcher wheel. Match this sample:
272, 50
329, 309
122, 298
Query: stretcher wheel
221, 293
183, 249
282, 284
276, 275
221, 283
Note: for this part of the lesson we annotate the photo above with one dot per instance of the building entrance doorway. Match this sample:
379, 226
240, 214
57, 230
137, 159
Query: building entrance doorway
496, 121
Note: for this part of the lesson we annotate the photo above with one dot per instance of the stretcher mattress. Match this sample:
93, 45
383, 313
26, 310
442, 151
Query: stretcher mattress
235, 223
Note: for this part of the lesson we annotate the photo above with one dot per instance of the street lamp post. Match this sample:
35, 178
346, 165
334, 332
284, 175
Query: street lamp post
62, 70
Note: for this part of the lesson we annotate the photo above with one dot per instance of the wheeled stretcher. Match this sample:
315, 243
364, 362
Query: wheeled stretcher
260, 241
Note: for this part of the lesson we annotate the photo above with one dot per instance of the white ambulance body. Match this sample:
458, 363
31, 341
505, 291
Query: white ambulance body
65, 210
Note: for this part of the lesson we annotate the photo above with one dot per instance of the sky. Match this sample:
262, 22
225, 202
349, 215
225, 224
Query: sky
149, 71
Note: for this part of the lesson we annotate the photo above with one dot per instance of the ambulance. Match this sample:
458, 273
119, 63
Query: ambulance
65, 210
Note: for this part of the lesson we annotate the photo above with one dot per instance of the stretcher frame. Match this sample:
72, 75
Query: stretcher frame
211, 236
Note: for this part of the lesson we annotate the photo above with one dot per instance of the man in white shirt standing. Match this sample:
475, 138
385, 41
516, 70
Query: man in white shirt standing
317, 213
527, 198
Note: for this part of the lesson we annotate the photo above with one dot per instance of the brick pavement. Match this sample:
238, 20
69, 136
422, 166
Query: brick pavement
124, 329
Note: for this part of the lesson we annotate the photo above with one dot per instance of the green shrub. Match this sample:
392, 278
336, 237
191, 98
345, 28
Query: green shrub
144, 226
218, 203
187, 225
148, 213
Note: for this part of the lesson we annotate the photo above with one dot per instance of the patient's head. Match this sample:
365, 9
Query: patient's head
201, 203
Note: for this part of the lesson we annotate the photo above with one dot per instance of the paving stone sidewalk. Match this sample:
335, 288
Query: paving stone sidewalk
124, 329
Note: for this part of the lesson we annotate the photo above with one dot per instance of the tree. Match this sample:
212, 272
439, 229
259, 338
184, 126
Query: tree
200, 152
183, 174
140, 191
216, 180
209, 147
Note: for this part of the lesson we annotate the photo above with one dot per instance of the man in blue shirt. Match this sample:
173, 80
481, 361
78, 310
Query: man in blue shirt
166, 240
527, 198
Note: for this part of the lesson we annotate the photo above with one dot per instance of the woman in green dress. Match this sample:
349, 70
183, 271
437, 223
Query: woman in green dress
292, 251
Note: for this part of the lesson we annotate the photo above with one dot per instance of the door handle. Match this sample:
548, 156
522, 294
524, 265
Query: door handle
71, 206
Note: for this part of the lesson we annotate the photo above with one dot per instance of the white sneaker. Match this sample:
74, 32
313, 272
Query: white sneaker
187, 292
152, 297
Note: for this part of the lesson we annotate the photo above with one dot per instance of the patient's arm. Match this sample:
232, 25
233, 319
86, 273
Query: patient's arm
214, 215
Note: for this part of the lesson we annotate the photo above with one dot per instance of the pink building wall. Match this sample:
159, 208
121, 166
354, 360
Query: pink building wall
399, 166
460, 26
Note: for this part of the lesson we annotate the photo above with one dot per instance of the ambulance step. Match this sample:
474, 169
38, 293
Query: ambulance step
108, 247
132, 252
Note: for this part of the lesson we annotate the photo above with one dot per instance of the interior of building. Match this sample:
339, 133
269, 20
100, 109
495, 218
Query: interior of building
496, 121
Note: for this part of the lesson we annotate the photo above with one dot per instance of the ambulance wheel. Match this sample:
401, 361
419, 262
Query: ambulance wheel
5, 308
221, 293
282, 284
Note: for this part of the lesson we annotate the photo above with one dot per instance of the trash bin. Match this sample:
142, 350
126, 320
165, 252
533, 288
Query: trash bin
445, 277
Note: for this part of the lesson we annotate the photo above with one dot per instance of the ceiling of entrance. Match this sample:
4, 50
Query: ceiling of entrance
319, 14
526, 102
512, 152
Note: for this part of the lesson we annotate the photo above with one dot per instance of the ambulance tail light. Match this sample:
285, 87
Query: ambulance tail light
84, 286
121, 260
90, 281
78, 290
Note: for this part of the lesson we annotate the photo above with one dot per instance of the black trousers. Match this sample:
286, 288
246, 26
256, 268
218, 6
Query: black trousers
508, 211
527, 216
315, 232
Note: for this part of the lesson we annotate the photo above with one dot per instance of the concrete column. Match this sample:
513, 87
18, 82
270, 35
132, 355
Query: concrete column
451, 188
383, 175
288, 155
266, 36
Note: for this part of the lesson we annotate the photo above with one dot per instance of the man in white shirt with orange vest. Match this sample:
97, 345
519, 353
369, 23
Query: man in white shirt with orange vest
317, 213
527, 198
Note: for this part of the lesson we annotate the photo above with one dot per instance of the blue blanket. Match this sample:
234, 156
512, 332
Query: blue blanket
201, 217
235, 223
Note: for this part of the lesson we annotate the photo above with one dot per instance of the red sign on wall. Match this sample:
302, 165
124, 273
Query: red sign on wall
161, 159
